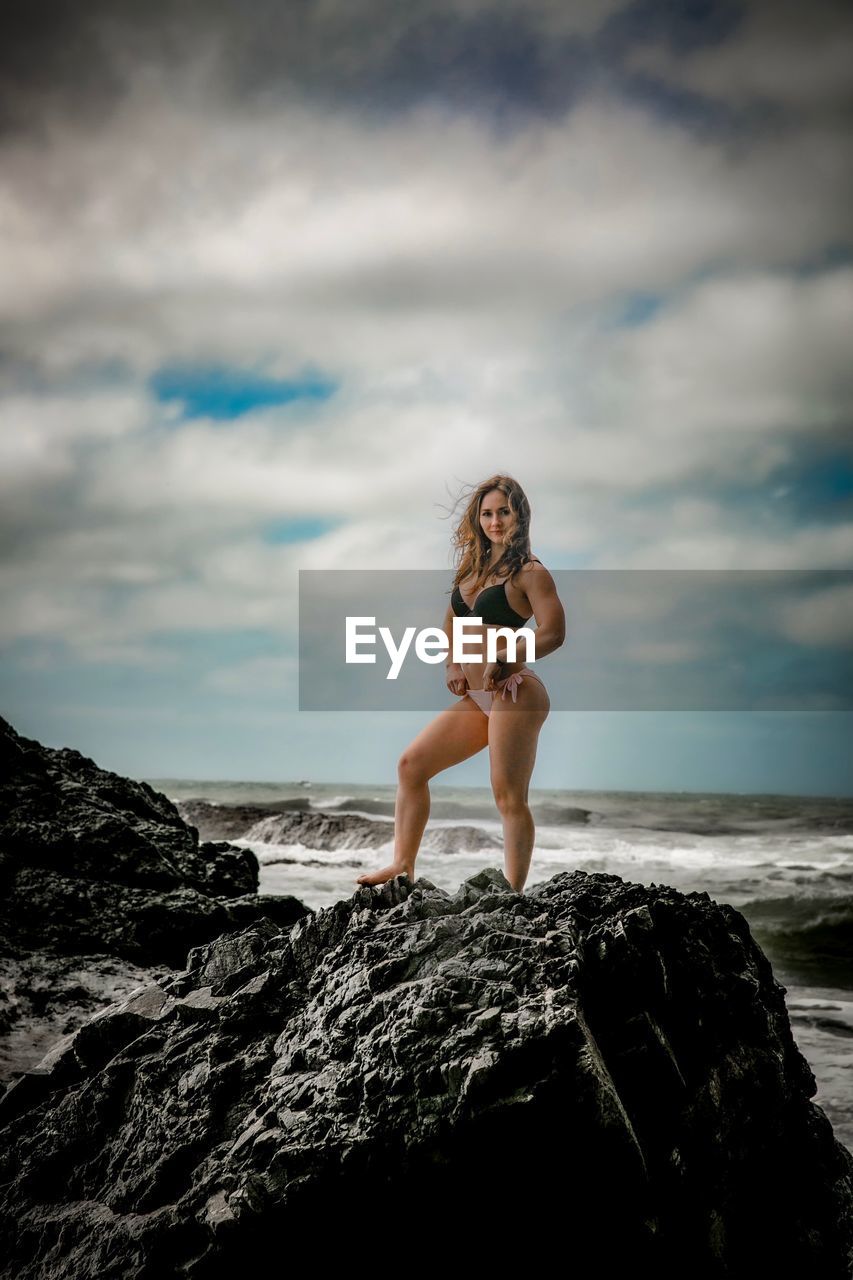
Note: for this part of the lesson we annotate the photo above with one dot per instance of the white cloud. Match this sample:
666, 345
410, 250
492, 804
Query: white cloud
821, 618
784, 52
184, 230
462, 285
41, 433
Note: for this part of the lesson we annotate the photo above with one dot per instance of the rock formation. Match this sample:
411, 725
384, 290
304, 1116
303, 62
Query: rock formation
102, 886
231, 821
321, 829
593, 1073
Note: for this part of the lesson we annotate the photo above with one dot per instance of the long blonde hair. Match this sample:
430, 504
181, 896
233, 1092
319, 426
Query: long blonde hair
471, 546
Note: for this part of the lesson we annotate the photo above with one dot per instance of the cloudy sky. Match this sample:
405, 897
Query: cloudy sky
279, 279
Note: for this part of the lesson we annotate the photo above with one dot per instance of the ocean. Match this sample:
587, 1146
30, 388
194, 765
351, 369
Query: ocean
785, 862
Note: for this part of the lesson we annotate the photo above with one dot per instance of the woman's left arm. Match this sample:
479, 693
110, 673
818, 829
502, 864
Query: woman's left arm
541, 591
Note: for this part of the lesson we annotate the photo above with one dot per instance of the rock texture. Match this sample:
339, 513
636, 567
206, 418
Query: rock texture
45, 995
91, 861
103, 886
598, 1071
337, 828
231, 821
320, 830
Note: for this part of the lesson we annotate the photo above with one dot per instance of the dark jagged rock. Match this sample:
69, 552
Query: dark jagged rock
456, 839
231, 821
600, 1070
60, 812
95, 868
45, 995
322, 830
91, 861
328, 831
72, 914
235, 821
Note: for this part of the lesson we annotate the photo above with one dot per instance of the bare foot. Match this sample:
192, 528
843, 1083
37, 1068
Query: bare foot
387, 873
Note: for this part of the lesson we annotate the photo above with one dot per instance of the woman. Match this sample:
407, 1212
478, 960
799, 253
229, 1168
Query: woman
499, 581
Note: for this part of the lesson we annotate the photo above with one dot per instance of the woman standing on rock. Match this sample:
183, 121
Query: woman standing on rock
499, 581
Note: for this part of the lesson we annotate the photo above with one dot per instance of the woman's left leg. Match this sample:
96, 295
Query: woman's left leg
513, 737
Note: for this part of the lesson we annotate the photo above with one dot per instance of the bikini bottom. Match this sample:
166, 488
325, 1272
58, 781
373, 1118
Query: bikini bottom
485, 697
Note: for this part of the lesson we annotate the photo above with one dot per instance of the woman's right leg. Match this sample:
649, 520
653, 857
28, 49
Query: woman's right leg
455, 734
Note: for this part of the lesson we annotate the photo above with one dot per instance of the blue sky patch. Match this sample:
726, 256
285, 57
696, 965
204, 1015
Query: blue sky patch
300, 530
818, 488
222, 392
811, 487
637, 309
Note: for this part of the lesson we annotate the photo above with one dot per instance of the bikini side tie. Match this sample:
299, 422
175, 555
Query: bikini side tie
512, 684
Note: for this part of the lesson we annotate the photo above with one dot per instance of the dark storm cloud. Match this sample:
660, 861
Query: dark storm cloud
780, 65
498, 58
81, 58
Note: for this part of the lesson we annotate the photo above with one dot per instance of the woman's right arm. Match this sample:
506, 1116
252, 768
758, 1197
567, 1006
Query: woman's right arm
454, 675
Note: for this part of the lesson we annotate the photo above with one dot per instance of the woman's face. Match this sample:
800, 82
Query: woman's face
495, 516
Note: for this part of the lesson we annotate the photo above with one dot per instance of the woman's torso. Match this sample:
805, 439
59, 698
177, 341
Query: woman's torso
517, 601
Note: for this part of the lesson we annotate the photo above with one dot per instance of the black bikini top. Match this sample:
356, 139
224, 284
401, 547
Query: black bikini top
495, 607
